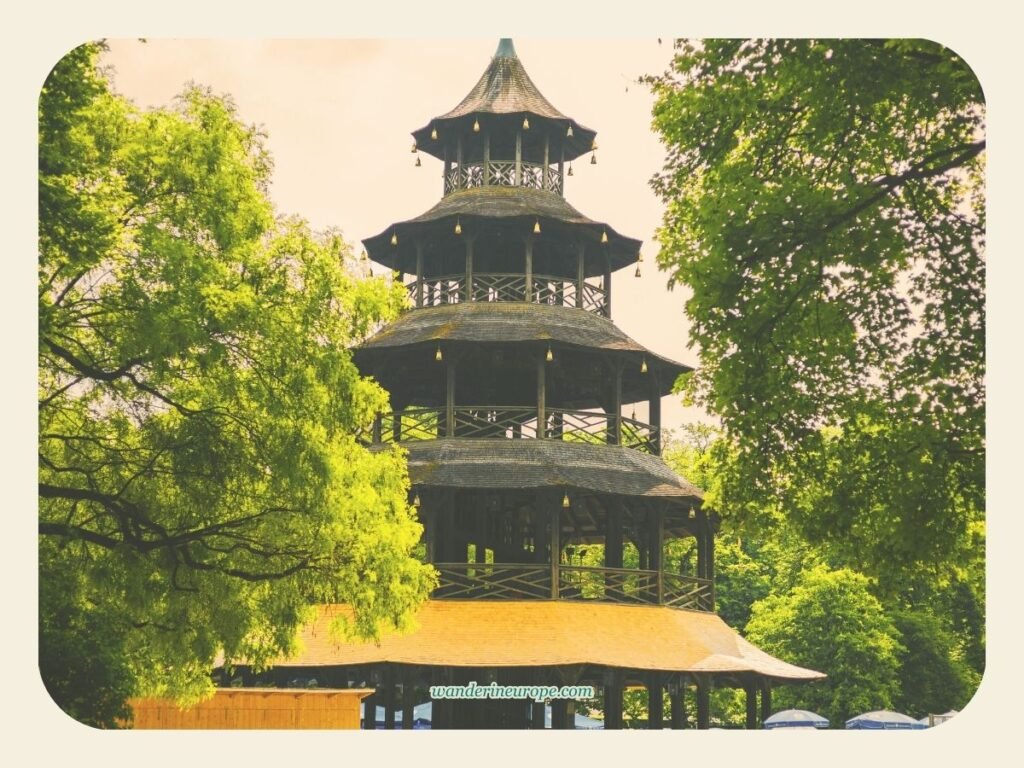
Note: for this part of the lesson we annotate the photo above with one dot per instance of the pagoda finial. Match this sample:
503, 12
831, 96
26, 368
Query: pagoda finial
505, 49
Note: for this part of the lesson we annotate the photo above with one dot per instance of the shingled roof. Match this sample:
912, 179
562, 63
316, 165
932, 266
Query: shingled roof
506, 89
497, 203
519, 464
481, 633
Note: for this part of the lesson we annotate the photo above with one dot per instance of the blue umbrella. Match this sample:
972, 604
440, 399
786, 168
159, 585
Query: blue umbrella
795, 718
883, 720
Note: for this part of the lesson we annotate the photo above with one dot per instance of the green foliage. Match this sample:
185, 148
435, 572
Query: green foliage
830, 621
200, 472
824, 203
934, 677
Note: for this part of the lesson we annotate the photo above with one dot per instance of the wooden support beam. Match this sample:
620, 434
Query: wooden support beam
389, 697
655, 702
542, 414
703, 702
528, 290
613, 685
677, 703
487, 159
608, 286
751, 693
408, 696
537, 716
613, 537
555, 513
458, 159
469, 268
580, 249
657, 523
654, 413
766, 700
545, 174
419, 274
519, 157
449, 420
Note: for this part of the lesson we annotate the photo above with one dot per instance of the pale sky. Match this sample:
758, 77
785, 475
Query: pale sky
339, 114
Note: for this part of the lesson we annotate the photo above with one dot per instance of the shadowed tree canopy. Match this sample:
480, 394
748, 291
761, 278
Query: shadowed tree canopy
824, 203
200, 478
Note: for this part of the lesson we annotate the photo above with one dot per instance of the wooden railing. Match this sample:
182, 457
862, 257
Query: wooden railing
532, 581
502, 173
509, 286
515, 423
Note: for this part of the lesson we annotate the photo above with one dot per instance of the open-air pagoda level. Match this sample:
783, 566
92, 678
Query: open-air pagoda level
547, 508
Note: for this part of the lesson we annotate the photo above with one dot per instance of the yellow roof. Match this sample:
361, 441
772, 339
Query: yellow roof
477, 633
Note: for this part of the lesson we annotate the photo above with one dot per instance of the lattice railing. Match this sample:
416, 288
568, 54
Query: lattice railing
496, 422
412, 424
577, 426
532, 581
503, 581
502, 173
510, 286
638, 435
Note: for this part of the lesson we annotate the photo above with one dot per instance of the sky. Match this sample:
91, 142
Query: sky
338, 115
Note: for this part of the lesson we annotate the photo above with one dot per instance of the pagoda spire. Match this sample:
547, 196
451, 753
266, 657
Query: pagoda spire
505, 49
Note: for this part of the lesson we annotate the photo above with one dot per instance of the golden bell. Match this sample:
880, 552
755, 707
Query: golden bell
692, 513
416, 501
643, 366
568, 133
476, 126
637, 273
433, 133
437, 355
593, 159
536, 227
458, 227
640, 257
604, 237
394, 238
565, 501
549, 357
414, 150
526, 123
570, 171
418, 163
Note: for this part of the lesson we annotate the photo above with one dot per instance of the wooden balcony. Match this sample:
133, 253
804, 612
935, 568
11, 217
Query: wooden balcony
516, 423
533, 581
496, 286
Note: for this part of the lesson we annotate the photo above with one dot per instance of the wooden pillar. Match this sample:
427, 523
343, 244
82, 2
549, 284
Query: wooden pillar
559, 714
677, 703
481, 534
751, 693
703, 702
396, 425
655, 702
469, 269
528, 291
449, 419
607, 287
544, 173
580, 248
377, 428
419, 274
615, 416
556, 545
613, 537
389, 697
540, 529
766, 700
458, 160
537, 715
710, 544
519, 157
657, 537
487, 159
654, 414
542, 413
408, 697
561, 169
613, 700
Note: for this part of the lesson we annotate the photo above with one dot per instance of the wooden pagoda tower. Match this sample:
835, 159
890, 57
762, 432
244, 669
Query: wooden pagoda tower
509, 384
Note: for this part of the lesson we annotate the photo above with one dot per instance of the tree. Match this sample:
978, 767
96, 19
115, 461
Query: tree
201, 478
824, 203
831, 621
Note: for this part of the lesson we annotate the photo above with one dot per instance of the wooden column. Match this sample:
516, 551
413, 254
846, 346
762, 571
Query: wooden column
537, 715
544, 174
657, 545
396, 424
377, 428
677, 703
389, 697
481, 534
528, 291
408, 697
613, 537
469, 268
710, 544
751, 693
561, 168
540, 529
542, 414
607, 287
580, 248
458, 160
556, 545
654, 414
703, 702
519, 157
449, 410
559, 714
487, 159
615, 416
655, 702
419, 274
766, 700
613, 700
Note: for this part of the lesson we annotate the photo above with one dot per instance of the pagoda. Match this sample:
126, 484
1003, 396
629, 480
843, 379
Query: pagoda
509, 386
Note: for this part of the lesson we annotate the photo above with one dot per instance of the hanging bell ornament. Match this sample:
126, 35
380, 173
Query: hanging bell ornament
458, 227
526, 123
593, 159
476, 126
604, 237
394, 238
418, 163
536, 227
568, 133
414, 149
433, 134
437, 355
643, 366
570, 169
637, 273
